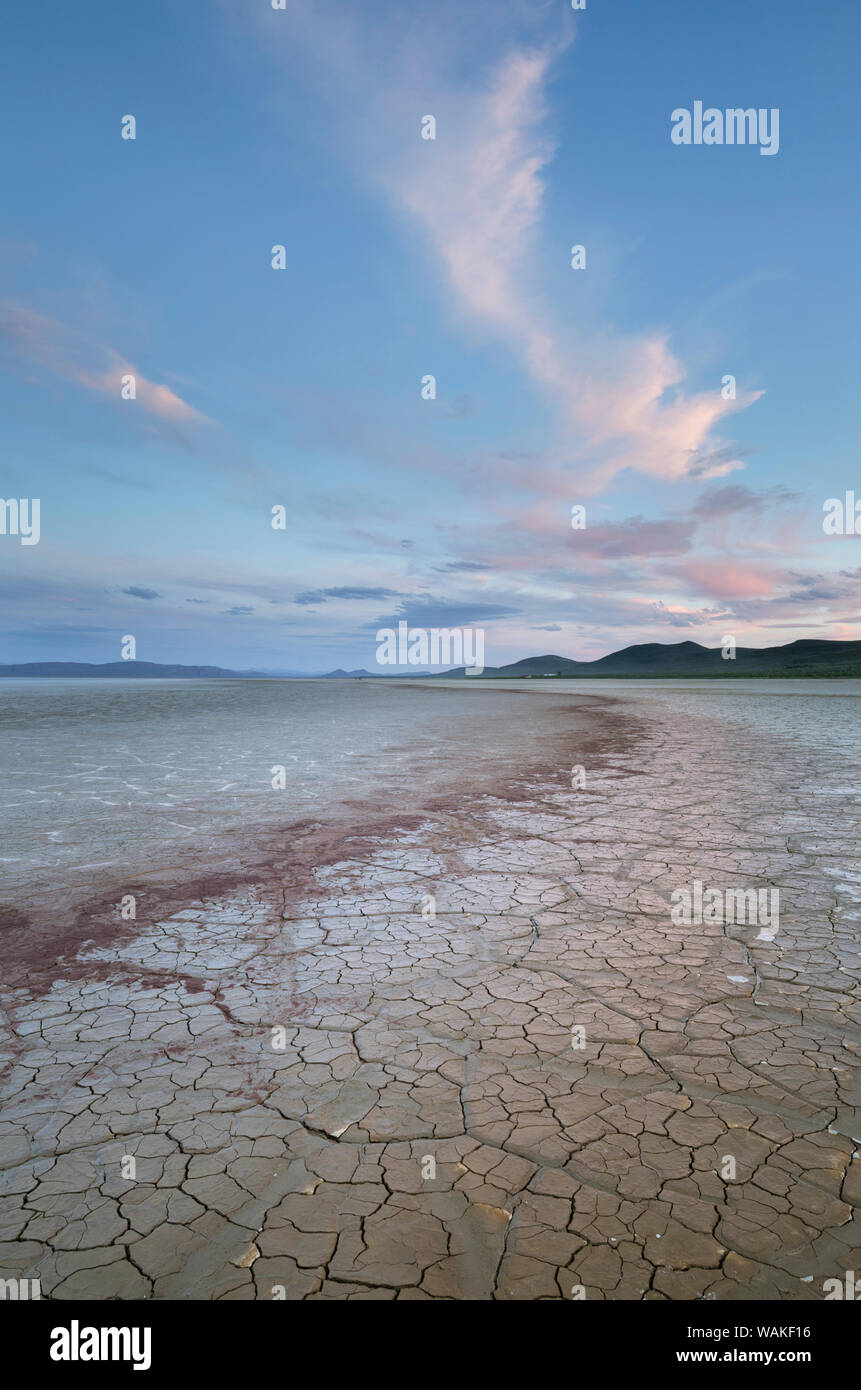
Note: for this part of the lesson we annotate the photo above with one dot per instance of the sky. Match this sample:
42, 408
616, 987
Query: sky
602, 387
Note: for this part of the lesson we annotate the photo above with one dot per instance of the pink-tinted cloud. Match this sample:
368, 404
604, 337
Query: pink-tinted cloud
35, 340
479, 207
476, 195
727, 579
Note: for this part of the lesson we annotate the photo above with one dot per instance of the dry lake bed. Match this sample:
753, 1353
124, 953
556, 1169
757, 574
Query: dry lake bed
463, 1040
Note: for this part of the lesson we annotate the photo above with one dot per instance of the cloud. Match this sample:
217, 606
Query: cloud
736, 497
46, 343
237, 612
678, 616
811, 588
479, 207
427, 612
344, 592
462, 567
137, 592
635, 535
356, 592
723, 580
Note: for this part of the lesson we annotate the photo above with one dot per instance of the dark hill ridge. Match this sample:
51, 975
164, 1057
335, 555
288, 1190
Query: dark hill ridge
808, 657
360, 674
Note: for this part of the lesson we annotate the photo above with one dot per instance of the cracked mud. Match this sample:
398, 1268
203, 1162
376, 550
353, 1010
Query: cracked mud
294, 1164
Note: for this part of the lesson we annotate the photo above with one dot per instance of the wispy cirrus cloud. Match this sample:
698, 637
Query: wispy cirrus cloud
479, 203
476, 194
36, 340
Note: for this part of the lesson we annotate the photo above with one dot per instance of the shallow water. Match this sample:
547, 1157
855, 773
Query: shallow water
100, 776
104, 778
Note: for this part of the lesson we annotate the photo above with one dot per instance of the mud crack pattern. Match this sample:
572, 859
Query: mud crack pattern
296, 1162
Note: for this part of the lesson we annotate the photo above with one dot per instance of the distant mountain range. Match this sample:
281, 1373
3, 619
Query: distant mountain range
134, 670
805, 658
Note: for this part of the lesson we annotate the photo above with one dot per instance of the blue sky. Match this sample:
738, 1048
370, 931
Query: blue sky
408, 257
